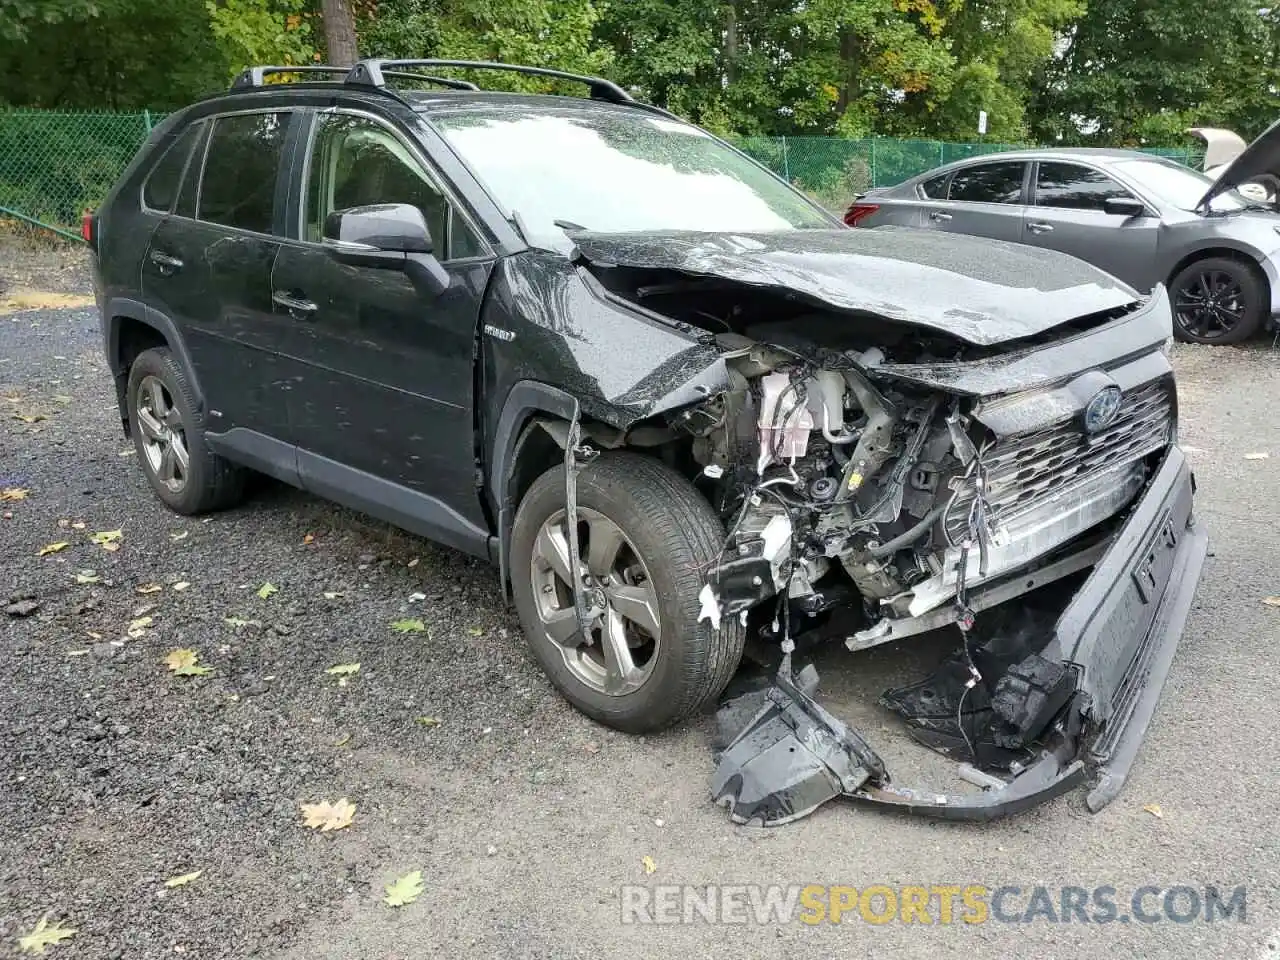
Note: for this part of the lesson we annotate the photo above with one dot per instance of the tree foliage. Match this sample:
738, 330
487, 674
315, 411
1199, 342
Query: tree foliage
1079, 71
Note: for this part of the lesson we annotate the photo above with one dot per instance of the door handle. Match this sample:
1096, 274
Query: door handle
939, 216
298, 308
1040, 227
166, 264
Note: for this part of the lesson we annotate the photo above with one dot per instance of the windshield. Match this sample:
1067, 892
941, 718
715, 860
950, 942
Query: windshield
618, 171
1178, 186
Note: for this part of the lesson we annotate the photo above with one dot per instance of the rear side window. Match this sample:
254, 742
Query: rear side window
935, 188
988, 183
161, 187
240, 170
186, 205
1074, 187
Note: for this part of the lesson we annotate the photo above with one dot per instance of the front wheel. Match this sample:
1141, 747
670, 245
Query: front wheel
646, 540
1218, 301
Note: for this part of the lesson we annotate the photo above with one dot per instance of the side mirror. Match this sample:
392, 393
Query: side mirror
1124, 206
390, 227
392, 236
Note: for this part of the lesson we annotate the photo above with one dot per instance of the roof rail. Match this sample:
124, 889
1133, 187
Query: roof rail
256, 76
374, 72
442, 81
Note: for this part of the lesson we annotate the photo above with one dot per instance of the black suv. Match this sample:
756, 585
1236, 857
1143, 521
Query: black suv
676, 403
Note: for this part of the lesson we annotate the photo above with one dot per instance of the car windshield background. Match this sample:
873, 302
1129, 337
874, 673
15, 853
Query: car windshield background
356, 162
989, 183
1072, 186
619, 172
1177, 185
240, 170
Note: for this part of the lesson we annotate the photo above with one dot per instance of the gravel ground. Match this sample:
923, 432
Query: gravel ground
524, 817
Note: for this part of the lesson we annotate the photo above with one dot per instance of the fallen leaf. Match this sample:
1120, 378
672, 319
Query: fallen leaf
417, 597
181, 585
1271, 601
150, 588
87, 576
650, 866
1154, 810
13, 493
328, 816
60, 398
180, 535
428, 721
146, 608
332, 595
53, 548
476, 632
29, 417
1259, 455
412, 563
141, 623
408, 626
267, 589
308, 538
183, 880
343, 740
45, 934
77, 653
105, 538
126, 453
111, 547
343, 669
239, 622
183, 663
404, 890
77, 524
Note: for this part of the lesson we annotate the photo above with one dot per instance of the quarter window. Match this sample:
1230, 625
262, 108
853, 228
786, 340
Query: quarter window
240, 170
357, 162
988, 183
1074, 187
935, 188
162, 183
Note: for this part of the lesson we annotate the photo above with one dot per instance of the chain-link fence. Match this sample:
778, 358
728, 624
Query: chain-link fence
55, 165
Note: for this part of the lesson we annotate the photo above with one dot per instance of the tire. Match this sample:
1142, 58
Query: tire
1218, 300
209, 481
675, 536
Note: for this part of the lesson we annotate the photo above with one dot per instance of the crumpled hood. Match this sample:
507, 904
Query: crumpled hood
983, 291
1260, 158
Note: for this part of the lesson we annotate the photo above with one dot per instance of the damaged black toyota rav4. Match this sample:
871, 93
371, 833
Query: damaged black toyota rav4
679, 406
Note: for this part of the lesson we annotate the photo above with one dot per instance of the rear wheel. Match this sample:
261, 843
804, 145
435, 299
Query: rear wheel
168, 432
1217, 300
646, 540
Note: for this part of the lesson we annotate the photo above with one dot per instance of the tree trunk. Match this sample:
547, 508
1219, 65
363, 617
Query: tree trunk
731, 41
339, 32
849, 66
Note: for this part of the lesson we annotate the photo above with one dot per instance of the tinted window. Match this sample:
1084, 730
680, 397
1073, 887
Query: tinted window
1074, 187
186, 205
988, 183
162, 183
239, 184
356, 162
935, 188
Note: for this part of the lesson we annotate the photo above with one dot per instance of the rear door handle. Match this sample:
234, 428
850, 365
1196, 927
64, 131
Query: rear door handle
166, 264
297, 306
939, 216
1040, 227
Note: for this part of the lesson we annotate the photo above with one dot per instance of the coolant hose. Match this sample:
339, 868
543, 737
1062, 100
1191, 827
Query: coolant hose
909, 536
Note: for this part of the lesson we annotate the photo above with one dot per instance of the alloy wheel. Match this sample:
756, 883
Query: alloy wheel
164, 439
617, 654
1210, 305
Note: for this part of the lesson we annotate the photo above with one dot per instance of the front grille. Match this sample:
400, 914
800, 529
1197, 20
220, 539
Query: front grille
1024, 473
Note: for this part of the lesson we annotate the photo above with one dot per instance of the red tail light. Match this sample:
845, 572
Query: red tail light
859, 212
86, 227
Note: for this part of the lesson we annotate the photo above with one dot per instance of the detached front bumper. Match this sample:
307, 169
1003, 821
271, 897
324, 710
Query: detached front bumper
1117, 637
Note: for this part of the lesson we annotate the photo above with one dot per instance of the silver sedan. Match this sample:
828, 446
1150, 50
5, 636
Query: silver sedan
1144, 219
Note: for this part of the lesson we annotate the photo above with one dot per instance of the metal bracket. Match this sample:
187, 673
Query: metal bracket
576, 456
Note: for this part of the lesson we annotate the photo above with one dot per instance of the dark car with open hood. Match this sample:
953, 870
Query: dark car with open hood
681, 409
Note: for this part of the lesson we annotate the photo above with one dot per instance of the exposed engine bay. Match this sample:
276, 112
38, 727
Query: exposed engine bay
866, 505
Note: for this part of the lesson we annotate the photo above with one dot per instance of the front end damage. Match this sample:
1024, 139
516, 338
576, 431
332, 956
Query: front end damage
879, 480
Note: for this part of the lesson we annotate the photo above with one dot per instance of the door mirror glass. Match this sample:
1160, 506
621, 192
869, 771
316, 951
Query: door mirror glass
391, 227
1124, 206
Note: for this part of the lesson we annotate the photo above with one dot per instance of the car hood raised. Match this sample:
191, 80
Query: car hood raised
982, 291
1260, 158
